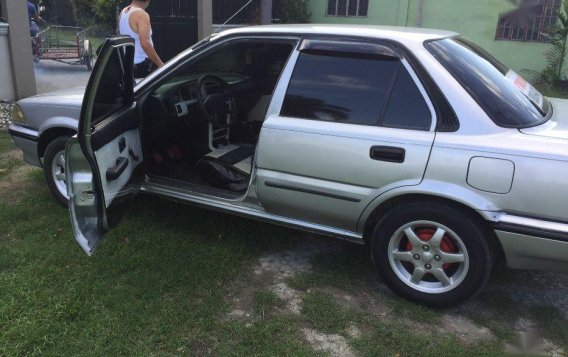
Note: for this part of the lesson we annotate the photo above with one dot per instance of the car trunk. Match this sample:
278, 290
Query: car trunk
557, 126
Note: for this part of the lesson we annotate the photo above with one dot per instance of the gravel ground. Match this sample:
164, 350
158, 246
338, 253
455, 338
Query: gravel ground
5, 113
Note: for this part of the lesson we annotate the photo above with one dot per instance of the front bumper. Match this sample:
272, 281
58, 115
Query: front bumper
531, 243
26, 139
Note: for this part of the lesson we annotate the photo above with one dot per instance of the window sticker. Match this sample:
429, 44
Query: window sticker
526, 88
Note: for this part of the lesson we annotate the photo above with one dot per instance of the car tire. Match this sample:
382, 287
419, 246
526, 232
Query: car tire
432, 253
54, 169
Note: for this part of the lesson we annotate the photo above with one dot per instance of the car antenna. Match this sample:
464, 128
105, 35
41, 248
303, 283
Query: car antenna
235, 14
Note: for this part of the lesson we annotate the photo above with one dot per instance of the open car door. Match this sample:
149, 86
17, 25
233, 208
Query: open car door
103, 162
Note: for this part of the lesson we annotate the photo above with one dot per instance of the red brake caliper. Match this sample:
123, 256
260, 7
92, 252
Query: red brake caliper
425, 234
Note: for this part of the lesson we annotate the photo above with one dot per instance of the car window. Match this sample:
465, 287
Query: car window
355, 89
112, 92
261, 61
407, 108
506, 98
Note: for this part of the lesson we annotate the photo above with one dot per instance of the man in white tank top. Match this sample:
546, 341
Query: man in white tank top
134, 21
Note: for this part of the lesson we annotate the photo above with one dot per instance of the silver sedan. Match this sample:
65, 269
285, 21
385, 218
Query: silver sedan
417, 143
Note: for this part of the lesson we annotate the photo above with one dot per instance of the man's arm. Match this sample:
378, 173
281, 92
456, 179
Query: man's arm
143, 27
35, 16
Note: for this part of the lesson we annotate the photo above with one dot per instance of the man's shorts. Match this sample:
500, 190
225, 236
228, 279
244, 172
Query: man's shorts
143, 68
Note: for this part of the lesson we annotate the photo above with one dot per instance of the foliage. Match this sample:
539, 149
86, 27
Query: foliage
59, 12
552, 75
295, 11
105, 11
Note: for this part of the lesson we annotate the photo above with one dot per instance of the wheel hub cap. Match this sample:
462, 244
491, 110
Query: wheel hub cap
428, 257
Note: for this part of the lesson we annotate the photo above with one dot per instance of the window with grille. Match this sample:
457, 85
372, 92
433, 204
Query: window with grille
529, 22
347, 7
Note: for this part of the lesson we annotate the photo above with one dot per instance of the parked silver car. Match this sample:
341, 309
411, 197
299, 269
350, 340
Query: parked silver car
416, 142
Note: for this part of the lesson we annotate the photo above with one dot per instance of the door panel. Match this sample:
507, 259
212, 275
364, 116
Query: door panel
107, 157
324, 172
104, 161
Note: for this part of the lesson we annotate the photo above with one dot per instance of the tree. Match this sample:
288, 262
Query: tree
105, 11
295, 11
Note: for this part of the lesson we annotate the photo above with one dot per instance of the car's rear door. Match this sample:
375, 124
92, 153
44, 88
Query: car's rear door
103, 162
351, 121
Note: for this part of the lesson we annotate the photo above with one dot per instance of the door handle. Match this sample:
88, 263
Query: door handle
387, 153
114, 172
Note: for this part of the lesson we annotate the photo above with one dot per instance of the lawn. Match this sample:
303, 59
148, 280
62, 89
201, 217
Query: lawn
178, 280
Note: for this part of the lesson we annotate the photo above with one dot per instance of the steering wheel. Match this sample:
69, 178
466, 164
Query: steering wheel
219, 107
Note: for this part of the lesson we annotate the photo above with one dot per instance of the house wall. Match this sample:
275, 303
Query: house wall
380, 12
477, 20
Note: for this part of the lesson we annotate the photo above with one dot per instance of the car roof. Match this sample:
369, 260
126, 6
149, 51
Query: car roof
401, 34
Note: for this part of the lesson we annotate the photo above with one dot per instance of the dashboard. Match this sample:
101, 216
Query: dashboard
178, 97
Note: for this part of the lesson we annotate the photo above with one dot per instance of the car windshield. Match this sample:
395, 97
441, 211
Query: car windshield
508, 99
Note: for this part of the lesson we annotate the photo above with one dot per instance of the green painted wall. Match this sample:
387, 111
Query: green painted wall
477, 20
380, 12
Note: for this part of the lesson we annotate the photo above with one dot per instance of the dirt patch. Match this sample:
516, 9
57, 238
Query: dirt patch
335, 345
272, 272
529, 341
534, 288
465, 330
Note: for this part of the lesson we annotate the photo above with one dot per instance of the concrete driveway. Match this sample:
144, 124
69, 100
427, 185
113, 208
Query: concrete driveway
52, 76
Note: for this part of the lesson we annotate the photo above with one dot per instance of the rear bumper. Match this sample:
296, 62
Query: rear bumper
531, 243
26, 139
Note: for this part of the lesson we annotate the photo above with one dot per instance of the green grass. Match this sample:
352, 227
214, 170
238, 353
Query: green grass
157, 283
5, 143
163, 283
266, 303
347, 268
7, 162
325, 314
387, 339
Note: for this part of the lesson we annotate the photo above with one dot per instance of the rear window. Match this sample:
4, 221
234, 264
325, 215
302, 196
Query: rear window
508, 99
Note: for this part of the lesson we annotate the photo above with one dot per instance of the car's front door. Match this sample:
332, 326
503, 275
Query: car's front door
103, 162
352, 121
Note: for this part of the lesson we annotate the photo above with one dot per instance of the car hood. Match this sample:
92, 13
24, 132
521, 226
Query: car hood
72, 97
557, 125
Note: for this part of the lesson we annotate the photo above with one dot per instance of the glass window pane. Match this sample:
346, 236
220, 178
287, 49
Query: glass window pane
407, 108
344, 89
331, 6
485, 79
363, 5
352, 8
111, 93
341, 7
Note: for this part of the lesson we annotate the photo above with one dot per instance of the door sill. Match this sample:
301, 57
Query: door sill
186, 186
